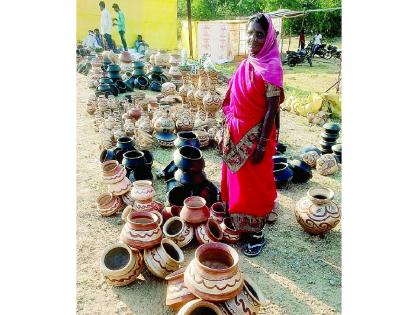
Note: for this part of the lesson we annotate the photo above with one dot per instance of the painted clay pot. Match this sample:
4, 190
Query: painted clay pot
326, 165
168, 88
301, 171
135, 113
230, 234
120, 188
283, 174
163, 259
195, 210
214, 274
120, 265
317, 213
112, 172
203, 137
177, 294
141, 230
310, 158
196, 307
169, 212
184, 122
190, 178
127, 199
218, 211
181, 232
208, 232
142, 190
107, 204
186, 138
250, 299
189, 159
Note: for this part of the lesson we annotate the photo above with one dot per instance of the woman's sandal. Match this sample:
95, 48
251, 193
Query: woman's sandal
273, 215
255, 246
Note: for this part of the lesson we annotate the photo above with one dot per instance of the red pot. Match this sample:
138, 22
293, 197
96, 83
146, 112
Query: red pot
230, 235
194, 210
135, 113
169, 212
208, 232
141, 230
217, 211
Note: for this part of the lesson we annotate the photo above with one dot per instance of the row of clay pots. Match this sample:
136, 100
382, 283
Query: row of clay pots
325, 164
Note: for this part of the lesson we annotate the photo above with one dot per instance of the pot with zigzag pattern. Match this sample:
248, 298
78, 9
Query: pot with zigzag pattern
163, 259
208, 232
214, 274
141, 230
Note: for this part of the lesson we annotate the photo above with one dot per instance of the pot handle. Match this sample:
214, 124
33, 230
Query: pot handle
126, 213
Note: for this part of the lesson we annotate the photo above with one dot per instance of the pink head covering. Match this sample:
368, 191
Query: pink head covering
268, 60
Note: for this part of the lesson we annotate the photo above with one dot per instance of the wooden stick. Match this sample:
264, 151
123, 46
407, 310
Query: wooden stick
190, 27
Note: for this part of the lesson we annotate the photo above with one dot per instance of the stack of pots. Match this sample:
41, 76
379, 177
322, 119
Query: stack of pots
157, 78
329, 137
143, 193
174, 72
212, 283
106, 87
114, 175
113, 71
139, 80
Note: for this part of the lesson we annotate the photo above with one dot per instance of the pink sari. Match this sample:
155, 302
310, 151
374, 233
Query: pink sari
249, 188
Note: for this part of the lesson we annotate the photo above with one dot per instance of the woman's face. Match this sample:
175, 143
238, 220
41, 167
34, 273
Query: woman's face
256, 38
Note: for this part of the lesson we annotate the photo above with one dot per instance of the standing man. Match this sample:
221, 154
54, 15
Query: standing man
301, 39
106, 26
120, 24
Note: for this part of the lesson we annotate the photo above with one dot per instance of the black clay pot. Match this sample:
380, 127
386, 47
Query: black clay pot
208, 191
103, 89
281, 147
135, 164
138, 64
189, 159
105, 80
279, 158
141, 82
326, 151
329, 137
336, 149
326, 145
190, 178
283, 174
105, 64
107, 155
169, 171
114, 89
337, 158
122, 88
332, 128
310, 148
186, 138
138, 72
129, 83
157, 70
124, 144
171, 183
301, 171
113, 68
156, 86
177, 195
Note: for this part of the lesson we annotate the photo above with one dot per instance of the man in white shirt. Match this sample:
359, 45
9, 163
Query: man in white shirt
317, 42
106, 26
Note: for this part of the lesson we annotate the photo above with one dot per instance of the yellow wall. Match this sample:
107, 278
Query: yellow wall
185, 39
155, 20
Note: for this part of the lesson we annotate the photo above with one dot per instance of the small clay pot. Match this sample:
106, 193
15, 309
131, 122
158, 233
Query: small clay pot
310, 158
208, 232
283, 174
120, 265
108, 205
142, 190
327, 165
329, 137
163, 259
120, 188
218, 211
181, 232
332, 128
177, 294
230, 234
112, 172
194, 210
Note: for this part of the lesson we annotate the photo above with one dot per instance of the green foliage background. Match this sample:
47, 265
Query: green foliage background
328, 23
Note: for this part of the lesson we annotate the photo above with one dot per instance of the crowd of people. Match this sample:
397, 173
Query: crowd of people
102, 39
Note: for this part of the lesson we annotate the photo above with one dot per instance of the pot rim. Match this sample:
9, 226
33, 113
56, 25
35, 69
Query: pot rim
229, 219
144, 214
131, 152
102, 196
216, 211
194, 149
168, 222
229, 249
175, 247
216, 224
124, 269
283, 166
196, 198
191, 306
109, 162
324, 191
181, 135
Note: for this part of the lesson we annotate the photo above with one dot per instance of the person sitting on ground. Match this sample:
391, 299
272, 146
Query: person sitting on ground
90, 41
98, 38
140, 45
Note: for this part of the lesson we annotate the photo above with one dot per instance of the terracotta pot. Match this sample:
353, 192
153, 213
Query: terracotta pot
112, 172
120, 188
169, 212
164, 259
120, 265
184, 122
194, 210
208, 232
310, 158
177, 294
230, 234
214, 274
141, 230
127, 199
142, 191
126, 57
196, 307
218, 211
326, 165
107, 204
181, 232
249, 301
135, 113
317, 213
148, 206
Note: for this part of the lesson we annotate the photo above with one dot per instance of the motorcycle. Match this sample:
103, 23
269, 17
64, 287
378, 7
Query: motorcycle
295, 57
332, 51
321, 50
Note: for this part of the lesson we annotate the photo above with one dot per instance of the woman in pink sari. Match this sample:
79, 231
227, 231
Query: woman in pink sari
249, 135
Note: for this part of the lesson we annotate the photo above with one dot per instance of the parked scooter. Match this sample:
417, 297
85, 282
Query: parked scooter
293, 58
332, 51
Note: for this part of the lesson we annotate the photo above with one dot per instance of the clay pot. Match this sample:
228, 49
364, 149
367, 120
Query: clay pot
107, 204
142, 190
127, 199
326, 165
168, 88
112, 172
135, 113
208, 191
190, 178
310, 158
317, 213
279, 158
156, 86
135, 164
196, 307
181, 232
164, 123
328, 137
178, 194
141, 230
169, 171
301, 171
184, 122
124, 144
120, 265
194, 210
310, 148
283, 174
126, 57
332, 128
189, 159
214, 274
120, 188
186, 138
230, 234
251, 298
208, 232
218, 211
163, 259
177, 294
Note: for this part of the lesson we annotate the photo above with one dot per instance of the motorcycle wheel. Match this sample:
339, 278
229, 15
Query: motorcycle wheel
291, 63
328, 55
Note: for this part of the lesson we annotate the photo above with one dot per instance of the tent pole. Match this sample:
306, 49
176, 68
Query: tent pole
190, 27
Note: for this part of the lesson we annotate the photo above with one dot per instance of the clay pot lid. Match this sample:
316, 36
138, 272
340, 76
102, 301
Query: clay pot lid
214, 247
320, 195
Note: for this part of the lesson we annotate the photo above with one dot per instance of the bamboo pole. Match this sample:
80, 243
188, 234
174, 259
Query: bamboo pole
190, 28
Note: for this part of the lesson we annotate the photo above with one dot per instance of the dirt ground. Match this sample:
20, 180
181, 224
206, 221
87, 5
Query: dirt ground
298, 273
